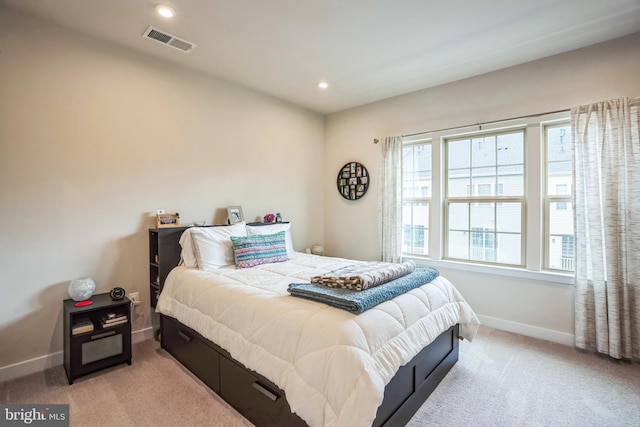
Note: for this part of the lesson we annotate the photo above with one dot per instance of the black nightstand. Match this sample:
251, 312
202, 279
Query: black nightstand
96, 336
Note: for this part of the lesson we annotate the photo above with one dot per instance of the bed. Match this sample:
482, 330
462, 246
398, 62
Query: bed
282, 360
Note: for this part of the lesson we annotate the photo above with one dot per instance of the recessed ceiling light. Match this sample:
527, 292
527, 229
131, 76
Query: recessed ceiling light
165, 11
323, 85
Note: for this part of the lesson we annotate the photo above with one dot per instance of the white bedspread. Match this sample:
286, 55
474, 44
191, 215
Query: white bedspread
332, 365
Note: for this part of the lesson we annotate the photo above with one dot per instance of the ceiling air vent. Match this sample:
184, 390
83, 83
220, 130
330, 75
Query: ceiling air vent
168, 39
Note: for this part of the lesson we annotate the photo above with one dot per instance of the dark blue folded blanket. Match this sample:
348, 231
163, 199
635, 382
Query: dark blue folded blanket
359, 301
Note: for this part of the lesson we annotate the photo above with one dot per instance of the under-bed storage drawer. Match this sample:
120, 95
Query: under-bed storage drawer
399, 389
189, 348
438, 349
256, 398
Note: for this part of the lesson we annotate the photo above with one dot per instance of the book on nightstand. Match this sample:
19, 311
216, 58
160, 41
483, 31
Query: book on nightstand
83, 325
119, 322
113, 319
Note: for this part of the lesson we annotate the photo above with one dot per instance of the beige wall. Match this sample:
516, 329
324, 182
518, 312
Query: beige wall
536, 307
94, 139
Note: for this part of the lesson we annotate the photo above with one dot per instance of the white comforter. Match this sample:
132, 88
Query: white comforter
332, 365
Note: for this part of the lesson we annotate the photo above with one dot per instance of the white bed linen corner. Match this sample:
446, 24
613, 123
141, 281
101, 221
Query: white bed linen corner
332, 365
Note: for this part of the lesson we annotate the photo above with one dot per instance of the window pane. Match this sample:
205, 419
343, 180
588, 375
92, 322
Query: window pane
483, 151
458, 246
415, 226
459, 216
483, 216
508, 217
459, 183
559, 142
510, 148
459, 154
483, 245
509, 248
512, 179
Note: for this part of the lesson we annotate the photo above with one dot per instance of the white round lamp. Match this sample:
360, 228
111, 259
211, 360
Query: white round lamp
81, 289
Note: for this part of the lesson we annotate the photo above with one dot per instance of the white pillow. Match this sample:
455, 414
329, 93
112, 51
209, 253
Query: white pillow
253, 230
212, 245
187, 254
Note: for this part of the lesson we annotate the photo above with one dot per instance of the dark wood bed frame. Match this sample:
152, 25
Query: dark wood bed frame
263, 403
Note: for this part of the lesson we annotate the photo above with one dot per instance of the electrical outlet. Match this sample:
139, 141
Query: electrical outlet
135, 298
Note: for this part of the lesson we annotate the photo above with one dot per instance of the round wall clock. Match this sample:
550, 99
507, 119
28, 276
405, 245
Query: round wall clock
353, 181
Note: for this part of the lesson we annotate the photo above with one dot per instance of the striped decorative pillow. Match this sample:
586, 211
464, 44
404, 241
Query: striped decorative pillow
259, 249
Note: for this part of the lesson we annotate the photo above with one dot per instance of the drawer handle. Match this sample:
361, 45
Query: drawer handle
184, 336
106, 334
268, 393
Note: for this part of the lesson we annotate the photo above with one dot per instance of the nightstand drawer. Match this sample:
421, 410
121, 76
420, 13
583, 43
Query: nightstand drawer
104, 347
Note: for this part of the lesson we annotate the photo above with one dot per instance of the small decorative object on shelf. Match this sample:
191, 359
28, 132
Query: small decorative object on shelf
269, 217
81, 290
278, 217
167, 219
317, 250
234, 214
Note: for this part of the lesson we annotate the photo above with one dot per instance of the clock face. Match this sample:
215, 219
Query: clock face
353, 181
117, 293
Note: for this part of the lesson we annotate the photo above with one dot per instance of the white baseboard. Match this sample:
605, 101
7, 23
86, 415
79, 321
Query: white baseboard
528, 330
41, 363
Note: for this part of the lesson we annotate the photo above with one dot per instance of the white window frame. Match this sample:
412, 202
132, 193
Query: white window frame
418, 199
484, 200
535, 172
550, 199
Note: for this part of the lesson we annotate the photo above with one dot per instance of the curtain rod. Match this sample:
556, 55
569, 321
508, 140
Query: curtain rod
375, 141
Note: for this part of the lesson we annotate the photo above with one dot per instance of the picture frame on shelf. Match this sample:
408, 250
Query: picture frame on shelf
234, 214
167, 220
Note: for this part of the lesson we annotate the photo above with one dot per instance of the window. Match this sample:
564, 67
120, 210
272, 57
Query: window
416, 197
486, 227
558, 198
500, 196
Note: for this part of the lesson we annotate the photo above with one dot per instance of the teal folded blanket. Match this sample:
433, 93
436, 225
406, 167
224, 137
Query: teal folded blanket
359, 301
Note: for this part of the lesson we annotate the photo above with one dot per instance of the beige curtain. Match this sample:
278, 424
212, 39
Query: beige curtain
390, 199
606, 149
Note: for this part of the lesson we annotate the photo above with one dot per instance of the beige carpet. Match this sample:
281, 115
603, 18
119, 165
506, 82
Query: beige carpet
502, 379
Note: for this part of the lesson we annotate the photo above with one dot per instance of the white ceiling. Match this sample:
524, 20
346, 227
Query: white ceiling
366, 50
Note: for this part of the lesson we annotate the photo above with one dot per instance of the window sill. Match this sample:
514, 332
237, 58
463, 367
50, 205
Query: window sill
545, 276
